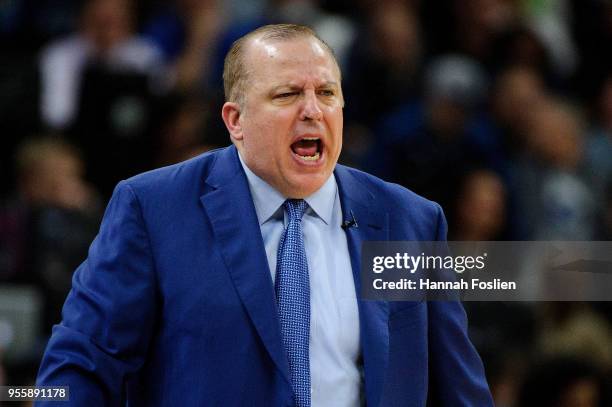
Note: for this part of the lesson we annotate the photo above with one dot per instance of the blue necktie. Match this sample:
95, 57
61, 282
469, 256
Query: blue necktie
292, 287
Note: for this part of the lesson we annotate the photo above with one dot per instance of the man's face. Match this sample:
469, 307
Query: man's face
289, 126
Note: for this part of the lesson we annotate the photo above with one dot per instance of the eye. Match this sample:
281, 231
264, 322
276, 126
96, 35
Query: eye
327, 92
285, 95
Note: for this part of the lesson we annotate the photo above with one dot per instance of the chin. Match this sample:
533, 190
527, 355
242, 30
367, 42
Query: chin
305, 185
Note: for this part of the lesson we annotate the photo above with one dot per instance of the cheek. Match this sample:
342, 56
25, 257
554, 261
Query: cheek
274, 132
336, 126
271, 123
263, 141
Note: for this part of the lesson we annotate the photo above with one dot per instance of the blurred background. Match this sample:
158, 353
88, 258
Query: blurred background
500, 110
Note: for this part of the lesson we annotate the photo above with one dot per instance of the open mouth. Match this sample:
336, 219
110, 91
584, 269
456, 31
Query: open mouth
308, 148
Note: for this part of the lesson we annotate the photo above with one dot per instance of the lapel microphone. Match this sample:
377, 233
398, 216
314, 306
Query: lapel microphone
352, 223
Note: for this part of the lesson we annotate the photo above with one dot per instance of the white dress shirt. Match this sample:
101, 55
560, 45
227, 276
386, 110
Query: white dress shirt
334, 318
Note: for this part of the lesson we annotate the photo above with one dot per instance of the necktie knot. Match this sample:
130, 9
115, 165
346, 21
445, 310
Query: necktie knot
295, 208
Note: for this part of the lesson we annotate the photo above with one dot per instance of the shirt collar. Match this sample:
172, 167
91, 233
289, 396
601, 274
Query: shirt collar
267, 200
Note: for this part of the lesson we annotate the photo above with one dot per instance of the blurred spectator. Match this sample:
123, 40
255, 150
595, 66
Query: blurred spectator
521, 47
48, 225
481, 212
517, 92
105, 38
183, 130
550, 21
563, 382
505, 368
562, 206
574, 330
385, 63
187, 31
430, 146
51, 174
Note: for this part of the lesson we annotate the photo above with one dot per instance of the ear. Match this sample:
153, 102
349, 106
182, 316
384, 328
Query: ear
231, 117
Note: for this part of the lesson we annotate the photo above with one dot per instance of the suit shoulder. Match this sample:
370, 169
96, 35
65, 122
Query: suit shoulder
411, 216
391, 193
174, 177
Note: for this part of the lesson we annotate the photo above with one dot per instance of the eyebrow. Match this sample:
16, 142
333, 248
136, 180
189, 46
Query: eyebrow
297, 87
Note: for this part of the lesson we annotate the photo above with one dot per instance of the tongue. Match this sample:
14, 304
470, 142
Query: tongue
305, 148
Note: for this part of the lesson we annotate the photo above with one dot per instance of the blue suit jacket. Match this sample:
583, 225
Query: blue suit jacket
175, 303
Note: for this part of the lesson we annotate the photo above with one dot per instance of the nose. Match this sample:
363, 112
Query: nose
311, 109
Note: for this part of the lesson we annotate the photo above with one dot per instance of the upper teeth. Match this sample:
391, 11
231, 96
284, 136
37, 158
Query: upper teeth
310, 138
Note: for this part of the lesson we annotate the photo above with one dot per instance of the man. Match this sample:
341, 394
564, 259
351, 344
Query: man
204, 287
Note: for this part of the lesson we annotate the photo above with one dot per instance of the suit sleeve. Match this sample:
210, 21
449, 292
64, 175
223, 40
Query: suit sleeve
109, 313
457, 376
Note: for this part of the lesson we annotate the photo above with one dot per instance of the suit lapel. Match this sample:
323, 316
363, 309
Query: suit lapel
372, 222
234, 222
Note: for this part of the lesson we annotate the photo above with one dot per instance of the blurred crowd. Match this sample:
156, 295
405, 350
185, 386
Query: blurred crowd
500, 110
